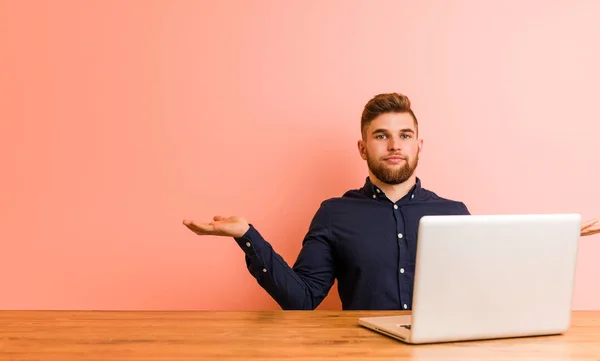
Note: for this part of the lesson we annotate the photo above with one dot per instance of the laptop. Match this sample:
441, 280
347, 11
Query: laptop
489, 276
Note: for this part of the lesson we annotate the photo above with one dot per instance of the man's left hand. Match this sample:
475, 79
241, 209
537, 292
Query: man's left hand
590, 227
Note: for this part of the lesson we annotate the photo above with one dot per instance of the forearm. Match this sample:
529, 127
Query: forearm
290, 289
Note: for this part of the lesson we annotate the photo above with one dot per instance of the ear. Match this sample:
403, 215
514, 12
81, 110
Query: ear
362, 149
419, 147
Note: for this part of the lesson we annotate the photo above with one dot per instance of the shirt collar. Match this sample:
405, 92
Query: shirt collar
372, 191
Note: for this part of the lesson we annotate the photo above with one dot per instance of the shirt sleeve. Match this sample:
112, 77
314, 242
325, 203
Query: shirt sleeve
303, 286
463, 210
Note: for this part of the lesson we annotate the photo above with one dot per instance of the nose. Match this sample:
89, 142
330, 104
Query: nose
394, 144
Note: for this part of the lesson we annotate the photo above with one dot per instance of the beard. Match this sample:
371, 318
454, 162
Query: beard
392, 175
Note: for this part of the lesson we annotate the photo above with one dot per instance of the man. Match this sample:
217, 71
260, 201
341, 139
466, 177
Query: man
367, 238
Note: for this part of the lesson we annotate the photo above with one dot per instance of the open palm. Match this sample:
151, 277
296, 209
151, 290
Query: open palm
220, 226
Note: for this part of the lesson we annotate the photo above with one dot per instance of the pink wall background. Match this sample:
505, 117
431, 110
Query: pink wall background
121, 118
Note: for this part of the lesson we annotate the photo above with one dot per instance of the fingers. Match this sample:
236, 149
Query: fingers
199, 228
591, 230
588, 224
189, 222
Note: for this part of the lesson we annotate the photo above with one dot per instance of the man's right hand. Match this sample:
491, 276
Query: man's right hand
220, 226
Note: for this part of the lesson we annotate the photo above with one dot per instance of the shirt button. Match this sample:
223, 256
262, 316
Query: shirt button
405, 306
400, 235
264, 270
378, 191
395, 206
374, 196
413, 196
401, 270
247, 244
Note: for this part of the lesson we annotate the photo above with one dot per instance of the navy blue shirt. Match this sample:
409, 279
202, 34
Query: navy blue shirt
362, 239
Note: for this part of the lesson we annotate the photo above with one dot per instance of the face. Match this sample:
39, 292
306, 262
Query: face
391, 148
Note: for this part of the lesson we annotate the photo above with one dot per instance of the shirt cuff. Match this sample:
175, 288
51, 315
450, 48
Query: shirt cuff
250, 241
256, 249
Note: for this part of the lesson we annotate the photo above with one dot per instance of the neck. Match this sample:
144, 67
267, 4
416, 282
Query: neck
394, 192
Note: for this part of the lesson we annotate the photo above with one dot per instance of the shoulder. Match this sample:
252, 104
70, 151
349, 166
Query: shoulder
348, 197
426, 194
431, 197
347, 202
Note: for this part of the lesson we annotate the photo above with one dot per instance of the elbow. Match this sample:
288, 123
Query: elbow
299, 303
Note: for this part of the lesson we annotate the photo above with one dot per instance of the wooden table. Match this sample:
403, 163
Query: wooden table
260, 335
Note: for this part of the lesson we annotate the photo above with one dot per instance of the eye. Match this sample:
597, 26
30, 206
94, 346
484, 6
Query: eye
405, 136
380, 136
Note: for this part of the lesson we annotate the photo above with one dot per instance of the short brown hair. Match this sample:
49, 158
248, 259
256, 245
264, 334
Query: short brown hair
386, 103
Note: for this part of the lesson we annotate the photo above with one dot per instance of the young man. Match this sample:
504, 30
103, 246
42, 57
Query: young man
367, 238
